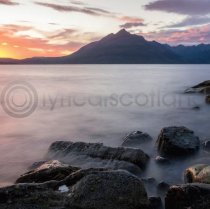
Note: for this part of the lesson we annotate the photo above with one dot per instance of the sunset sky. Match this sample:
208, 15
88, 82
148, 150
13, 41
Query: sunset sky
55, 28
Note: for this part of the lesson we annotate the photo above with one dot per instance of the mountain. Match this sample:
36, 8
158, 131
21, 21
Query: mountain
8, 61
126, 48
199, 54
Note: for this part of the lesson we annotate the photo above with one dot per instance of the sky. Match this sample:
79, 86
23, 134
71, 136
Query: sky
31, 28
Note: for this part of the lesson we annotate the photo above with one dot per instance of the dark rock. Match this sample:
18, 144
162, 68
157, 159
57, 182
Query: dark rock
203, 87
196, 108
37, 164
155, 203
136, 138
163, 186
198, 173
188, 196
84, 189
206, 145
177, 141
87, 155
208, 99
109, 190
52, 170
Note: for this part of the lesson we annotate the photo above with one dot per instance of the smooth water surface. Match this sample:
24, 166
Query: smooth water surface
100, 103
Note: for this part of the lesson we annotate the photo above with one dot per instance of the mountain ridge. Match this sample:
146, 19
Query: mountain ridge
126, 48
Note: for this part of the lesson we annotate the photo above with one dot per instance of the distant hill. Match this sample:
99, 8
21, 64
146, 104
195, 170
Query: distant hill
126, 48
8, 61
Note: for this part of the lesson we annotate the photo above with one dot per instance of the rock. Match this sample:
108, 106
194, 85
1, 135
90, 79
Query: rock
198, 173
84, 189
163, 187
36, 165
107, 190
206, 145
161, 160
95, 155
177, 141
208, 99
52, 170
196, 108
188, 196
155, 203
203, 87
136, 138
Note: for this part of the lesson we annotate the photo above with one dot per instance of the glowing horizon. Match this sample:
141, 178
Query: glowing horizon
34, 28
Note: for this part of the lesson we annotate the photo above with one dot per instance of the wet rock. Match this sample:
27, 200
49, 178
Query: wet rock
188, 196
203, 87
36, 165
93, 155
84, 189
177, 141
163, 187
196, 108
109, 190
208, 99
161, 160
206, 145
136, 138
52, 170
198, 173
155, 203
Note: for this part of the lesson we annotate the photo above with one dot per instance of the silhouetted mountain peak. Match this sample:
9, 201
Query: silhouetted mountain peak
126, 48
123, 32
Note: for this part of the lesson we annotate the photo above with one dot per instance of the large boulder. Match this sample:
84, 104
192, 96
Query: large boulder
188, 196
198, 173
206, 145
203, 87
136, 138
83, 189
177, 141
207, 99
52, 170
107, 190
96, 155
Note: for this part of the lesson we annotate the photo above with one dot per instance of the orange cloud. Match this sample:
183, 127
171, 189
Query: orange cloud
22, 46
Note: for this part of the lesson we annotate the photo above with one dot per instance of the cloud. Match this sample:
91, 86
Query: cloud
8, 2
64, 34
187, 7
19, 44
130, 19
191, 36
130, 22
85, 10
132, 25
189, 21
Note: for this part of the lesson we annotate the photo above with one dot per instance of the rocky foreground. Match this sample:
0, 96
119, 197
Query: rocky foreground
93, 176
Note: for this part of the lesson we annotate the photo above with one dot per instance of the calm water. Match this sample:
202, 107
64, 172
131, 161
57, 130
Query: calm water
100, 103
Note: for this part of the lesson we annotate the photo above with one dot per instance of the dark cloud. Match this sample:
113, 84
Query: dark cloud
188, 7
190, 21
132, 25
8, 2
191, 36
66, 33
85, 10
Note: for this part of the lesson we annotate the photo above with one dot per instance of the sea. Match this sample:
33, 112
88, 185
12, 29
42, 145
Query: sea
41, 104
